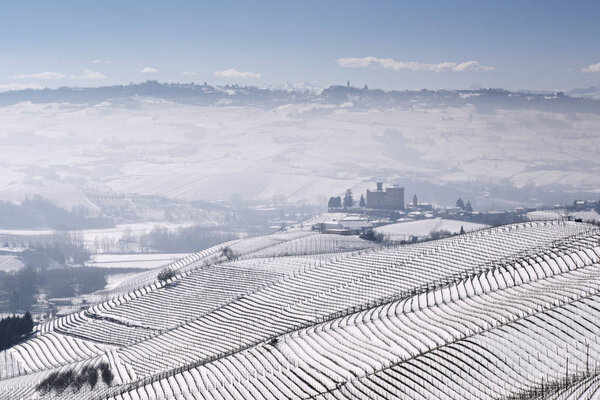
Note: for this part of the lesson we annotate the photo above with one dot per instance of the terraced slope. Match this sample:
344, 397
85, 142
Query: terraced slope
488, 314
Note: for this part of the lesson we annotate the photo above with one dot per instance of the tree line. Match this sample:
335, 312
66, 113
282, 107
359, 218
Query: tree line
55, 250
184, 240
60, 381
347, 202
465, 207
38, 212
13, 329
19, 291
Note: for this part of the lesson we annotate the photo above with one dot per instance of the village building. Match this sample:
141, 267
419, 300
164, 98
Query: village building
390, 199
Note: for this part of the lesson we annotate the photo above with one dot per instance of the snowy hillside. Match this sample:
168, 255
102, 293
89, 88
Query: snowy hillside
541, 215
586, 215
10, 263
460, 317
299, 148
423, 228
144, 261
546, 215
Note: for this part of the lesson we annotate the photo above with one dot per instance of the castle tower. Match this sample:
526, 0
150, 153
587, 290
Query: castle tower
390, 199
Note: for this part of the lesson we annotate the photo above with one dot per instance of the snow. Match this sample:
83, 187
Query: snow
260, 298
543, 215
10, 263
153, 260
90, 236
557, 214
586, 215
294, 153
26, 232
423, 228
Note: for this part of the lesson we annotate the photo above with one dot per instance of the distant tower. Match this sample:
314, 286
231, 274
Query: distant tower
415, 202
348, 84
379, 186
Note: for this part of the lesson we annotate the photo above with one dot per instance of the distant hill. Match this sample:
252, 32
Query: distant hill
204, 94
498, 148
592, 92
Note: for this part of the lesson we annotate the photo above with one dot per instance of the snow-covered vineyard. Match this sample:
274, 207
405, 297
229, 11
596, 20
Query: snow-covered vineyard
506, 312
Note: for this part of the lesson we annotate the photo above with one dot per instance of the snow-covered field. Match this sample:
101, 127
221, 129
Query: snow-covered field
544, 215
557, 214
26, 232
586, 215
509, 306
423, 228
9, 263
142, 261
296, 152
92, 238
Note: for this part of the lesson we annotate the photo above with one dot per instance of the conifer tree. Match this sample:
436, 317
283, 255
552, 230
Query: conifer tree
468, 207
348, 199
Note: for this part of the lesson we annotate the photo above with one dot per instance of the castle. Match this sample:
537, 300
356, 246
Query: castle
390, 199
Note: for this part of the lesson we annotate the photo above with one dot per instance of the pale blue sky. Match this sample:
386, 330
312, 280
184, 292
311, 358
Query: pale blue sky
411, 44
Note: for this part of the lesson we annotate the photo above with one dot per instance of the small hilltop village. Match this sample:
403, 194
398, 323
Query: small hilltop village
382, 214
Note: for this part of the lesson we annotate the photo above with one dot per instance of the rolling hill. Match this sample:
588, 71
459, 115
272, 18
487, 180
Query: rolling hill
191, 142
494, 313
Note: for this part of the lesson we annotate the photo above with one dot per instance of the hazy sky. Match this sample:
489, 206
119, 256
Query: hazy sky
386, 44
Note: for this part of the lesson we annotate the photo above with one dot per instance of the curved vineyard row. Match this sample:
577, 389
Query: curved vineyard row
460, 318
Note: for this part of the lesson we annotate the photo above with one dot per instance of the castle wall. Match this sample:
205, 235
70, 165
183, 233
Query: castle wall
391, 199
